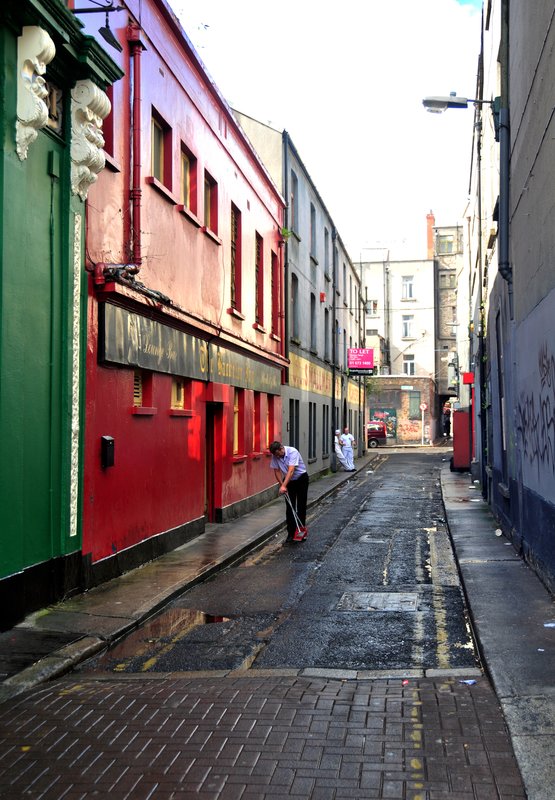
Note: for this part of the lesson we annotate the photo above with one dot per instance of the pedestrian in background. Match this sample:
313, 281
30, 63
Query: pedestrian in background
447, 420
338, 450
347, 441
290, 472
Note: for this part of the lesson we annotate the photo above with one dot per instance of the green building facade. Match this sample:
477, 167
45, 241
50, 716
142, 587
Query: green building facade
52, 104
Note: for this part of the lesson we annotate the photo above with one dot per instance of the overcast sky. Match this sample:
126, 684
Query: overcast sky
346, 80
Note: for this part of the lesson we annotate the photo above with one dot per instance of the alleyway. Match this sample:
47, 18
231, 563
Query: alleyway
304, 685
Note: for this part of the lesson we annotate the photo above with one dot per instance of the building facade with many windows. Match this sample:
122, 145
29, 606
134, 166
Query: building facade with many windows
323, 303
185, 347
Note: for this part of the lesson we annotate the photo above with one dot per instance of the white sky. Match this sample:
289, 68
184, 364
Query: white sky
346, 80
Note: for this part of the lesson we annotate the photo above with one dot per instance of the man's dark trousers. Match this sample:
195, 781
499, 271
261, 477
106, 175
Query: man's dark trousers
298, 493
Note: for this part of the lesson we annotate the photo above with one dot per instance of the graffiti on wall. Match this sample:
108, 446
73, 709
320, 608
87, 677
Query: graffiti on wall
536, 415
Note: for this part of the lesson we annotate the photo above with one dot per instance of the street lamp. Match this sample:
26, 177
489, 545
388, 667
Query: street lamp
439, 104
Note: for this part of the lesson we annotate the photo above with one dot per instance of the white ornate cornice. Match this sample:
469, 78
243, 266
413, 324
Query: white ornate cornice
89, 108
35, 49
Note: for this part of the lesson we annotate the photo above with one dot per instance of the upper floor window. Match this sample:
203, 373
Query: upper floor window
161, 150
275, 284
312, 322
294, 203
326, 252
294, 307
210, 203
259, 280
188, 179
312, 231
408, 325
235, 258
372, 307
408, 365
407, 287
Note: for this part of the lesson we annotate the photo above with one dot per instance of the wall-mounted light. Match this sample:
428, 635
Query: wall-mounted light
105, 31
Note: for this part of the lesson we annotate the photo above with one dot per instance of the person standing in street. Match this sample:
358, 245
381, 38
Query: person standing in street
347, 441
290, 471
338, 450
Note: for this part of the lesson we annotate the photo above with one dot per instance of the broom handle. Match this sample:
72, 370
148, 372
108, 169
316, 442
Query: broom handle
297, 520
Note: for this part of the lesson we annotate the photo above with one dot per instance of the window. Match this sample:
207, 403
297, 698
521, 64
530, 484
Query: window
259, 280
142, 392
312, 322
294, 203
238, 432
408, 365
312, 430
408, 321
325, 430
270, 412
372, 308
407, 290
445, 244
210, 203
326, 253
178, 393
188, 179
414, 405
294, 423
257, 423
344, 283
326, 334
235, 258
161, 150
294, 307
275, 284
312, 231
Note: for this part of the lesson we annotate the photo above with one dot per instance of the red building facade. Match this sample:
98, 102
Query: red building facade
185, 308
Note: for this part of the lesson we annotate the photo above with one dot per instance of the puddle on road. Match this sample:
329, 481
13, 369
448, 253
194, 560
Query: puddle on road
167, 627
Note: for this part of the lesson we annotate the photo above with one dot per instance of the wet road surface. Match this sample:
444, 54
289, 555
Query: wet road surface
375, 588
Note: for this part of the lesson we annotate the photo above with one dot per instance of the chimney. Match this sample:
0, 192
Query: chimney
430, 222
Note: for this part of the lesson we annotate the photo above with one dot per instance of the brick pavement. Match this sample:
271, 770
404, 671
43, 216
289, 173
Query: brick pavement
225, 737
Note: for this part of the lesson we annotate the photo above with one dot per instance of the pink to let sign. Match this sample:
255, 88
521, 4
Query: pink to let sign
360, 359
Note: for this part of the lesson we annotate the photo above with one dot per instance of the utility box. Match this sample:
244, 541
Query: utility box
462, 444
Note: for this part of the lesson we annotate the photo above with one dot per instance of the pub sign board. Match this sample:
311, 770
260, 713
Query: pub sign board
132, 340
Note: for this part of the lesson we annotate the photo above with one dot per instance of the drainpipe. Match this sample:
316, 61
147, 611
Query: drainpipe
134, 39
505, 268
286, 222
334, 422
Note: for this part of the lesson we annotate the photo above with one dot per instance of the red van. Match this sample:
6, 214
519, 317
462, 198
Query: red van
376, 433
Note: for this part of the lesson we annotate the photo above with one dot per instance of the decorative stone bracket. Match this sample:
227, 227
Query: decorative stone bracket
89, 108
35, 49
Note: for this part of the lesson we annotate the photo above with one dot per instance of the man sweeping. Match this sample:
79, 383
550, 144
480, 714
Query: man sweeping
290, 471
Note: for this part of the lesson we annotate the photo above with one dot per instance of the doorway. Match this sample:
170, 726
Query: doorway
213, 421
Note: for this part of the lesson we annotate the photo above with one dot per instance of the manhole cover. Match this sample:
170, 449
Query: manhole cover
378, 601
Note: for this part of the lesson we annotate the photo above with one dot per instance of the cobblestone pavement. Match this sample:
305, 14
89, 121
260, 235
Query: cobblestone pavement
276, 735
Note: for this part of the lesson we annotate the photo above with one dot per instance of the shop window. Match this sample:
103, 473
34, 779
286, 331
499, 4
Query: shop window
325, 431
294, 423
238, 421
257, 423
312, 431
270, 415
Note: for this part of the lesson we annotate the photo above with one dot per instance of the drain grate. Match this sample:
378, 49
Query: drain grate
378, 601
